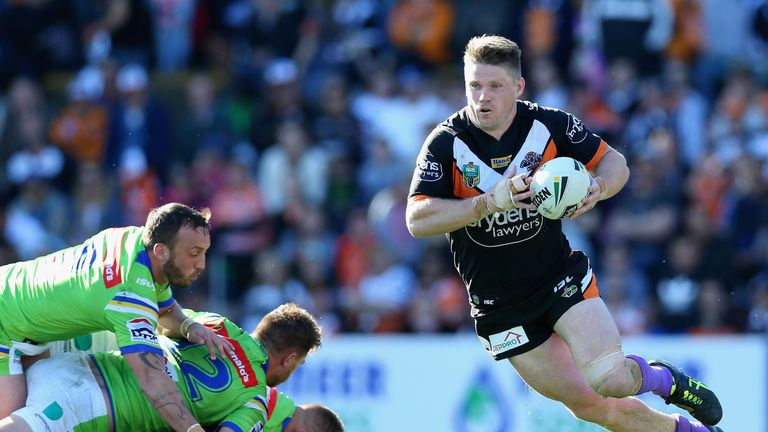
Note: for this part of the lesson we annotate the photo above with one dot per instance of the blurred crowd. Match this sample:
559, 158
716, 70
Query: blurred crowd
298, 123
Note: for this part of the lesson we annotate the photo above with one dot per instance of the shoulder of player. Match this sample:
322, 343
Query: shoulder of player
444, 133
545, 114
561, 124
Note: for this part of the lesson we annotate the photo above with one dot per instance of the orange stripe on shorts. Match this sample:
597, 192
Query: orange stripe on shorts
592, 290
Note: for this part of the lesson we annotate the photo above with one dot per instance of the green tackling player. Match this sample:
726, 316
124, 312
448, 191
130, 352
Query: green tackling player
74, 392
118, 280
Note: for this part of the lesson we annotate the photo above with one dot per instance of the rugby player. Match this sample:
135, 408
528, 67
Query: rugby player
118, 280
534, 300
98, 393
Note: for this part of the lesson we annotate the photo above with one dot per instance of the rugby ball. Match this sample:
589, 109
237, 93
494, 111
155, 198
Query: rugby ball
558, 187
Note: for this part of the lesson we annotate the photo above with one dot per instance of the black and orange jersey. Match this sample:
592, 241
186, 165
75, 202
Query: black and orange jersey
506, 257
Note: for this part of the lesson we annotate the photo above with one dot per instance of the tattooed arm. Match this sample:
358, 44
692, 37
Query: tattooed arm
162, 393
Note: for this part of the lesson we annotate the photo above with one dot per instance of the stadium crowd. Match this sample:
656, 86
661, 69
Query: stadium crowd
298, 124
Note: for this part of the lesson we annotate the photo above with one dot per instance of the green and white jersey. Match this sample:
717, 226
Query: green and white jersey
229, 391
280, 413
105, 283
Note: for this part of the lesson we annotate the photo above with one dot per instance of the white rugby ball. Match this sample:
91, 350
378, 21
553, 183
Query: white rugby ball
558, 187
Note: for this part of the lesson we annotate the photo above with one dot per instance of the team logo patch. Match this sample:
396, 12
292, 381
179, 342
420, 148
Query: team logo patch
470, 174
576, 131
569, 291
53, 411
142, 330
531, 160
501, 162
429, 169
507, 340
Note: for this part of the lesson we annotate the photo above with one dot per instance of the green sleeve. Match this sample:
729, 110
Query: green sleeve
133, 316
281, 413
249, 417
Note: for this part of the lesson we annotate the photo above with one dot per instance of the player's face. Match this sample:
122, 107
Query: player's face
187, 257
492, 93
285, 371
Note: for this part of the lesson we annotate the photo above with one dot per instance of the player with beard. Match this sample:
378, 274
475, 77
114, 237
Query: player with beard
535, 301
97, 392
118, 280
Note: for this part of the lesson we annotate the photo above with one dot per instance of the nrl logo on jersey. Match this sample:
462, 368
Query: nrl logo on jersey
470, 174
531, 160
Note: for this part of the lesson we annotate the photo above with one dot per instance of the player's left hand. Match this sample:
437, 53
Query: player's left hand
596, 190
201, 334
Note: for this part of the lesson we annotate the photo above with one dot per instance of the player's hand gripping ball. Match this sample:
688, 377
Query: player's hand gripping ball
558, 187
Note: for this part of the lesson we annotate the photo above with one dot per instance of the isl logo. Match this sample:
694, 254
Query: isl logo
470, 173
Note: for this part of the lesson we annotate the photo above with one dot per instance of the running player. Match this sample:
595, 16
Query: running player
118, 280
534, 300
98, 392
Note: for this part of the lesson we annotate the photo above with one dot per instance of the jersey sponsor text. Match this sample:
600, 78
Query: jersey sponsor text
505, 227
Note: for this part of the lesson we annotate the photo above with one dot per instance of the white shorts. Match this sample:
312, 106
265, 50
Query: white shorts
62, 393
89, 343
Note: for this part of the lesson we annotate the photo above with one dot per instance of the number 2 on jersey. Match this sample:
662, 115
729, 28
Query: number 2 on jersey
205, 375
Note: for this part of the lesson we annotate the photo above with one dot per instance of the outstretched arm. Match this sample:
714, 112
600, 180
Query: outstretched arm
161, 392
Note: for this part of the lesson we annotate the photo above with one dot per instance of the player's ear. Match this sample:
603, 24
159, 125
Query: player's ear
520, 86
289, 358
161, 251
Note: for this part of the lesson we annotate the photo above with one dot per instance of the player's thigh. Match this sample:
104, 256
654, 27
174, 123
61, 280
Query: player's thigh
550, 370
13, 392
14, 424
13, 388
590, 332
63, 395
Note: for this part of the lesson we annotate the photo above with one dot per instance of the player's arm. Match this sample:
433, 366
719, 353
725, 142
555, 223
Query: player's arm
427, 216
173, 323
613, 171
162, 393
610, 175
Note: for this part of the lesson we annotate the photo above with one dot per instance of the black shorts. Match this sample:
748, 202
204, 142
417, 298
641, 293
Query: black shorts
507, 332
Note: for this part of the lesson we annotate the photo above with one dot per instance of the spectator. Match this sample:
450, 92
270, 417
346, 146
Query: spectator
138, 123
421, 30
639, 33
172, 29
81, 129
293, 169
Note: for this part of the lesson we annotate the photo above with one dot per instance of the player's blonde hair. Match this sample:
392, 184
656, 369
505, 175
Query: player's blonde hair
493, 50
289, 327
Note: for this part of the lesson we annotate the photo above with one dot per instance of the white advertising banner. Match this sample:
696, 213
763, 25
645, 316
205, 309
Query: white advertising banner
449, 383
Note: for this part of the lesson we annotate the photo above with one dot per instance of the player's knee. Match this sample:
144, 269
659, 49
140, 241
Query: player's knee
610, 376
612, 385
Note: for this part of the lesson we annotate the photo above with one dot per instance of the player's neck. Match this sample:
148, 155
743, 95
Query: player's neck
157, 269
